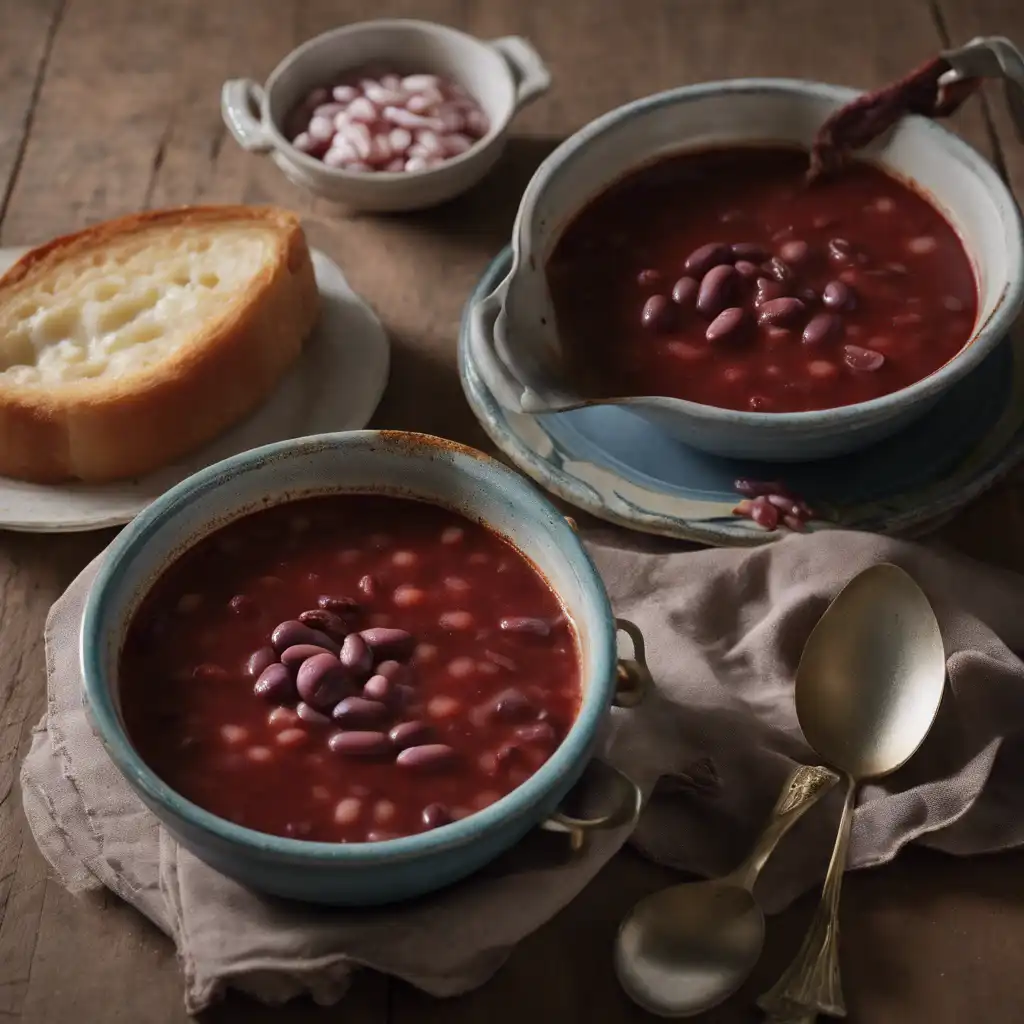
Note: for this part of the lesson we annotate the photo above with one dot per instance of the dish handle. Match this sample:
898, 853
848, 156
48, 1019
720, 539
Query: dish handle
617, 797
239, 98
617, 800
529, 71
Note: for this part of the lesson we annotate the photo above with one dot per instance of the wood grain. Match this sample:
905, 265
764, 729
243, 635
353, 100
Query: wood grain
107, 106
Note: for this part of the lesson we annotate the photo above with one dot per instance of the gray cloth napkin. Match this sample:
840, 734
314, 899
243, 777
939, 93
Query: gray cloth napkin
711, 748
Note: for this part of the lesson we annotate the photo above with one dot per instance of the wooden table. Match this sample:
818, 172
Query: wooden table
109, 106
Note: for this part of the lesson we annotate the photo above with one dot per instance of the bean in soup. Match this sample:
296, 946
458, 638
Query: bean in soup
720, 277
349, 669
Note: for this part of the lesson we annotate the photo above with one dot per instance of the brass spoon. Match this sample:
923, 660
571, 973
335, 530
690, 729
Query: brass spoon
685, 949
868, 688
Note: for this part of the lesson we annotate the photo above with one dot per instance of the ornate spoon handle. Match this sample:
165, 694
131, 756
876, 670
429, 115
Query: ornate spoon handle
811, 983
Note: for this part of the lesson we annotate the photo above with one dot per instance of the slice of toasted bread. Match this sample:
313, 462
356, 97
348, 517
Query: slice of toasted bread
125, 346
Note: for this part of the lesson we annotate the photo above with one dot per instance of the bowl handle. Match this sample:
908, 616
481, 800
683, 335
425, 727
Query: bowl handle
507, 390
239, 97
992, 57
529, 71
633, 679
619, 796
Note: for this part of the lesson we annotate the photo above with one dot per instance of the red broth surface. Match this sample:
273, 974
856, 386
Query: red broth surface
491, 670
877, 289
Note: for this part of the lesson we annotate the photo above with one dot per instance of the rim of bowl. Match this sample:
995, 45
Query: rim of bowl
484, 471
984, 336
426, 27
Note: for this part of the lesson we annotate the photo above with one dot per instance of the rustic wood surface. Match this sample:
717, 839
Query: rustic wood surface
108, 106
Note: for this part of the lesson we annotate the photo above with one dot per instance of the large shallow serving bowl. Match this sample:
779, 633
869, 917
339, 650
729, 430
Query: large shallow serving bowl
517, 350
409, 465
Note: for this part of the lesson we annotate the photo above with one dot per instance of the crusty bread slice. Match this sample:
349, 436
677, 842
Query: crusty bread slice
125, 346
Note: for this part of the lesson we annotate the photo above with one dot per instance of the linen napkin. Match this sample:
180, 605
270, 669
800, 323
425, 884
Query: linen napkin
711, 748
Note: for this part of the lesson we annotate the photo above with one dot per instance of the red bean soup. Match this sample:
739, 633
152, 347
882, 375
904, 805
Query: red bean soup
720, 277
349, 668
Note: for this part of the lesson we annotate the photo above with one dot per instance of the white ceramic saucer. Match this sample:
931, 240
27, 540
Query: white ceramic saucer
336, 385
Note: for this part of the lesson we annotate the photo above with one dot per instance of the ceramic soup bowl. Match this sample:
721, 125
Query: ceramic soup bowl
410, 465
518, 352
503, 75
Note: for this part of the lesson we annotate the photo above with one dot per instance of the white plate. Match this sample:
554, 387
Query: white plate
336, 385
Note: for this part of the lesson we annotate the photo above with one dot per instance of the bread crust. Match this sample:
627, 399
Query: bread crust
99, 430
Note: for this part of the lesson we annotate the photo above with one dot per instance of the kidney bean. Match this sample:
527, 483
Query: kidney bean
443, 706
746, 269
310, 714
259, 660
922, 245
749, 251
537, 732
435, 815
728, 326
355, 654
292, 737
838, 295
863, 359
379, 688
684, 292
410, 734
525, 624
512, 705
767, 290
360, 744
501, 661
780, 312
701, 260
233, 735
456, 620
322, 680
393, 671
327, 622
386, 643
656, 314
648, 278
359, 713
795, 251
840, 250
779, 270
294, 656
717, 290
953, 304
292, 632
244, 606
426, 757
260, 755
821, 328
368, 586
275, 684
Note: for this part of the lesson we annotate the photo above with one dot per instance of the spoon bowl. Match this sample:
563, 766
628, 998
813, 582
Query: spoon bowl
689, 947
871, 675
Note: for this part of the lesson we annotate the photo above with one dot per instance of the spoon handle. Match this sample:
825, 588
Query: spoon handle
812, 980
806, 785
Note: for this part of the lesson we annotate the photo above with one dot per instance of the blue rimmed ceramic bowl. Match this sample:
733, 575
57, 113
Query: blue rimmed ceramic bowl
520, 359
406, 465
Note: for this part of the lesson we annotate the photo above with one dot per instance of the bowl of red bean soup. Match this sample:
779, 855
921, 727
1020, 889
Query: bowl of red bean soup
352, 669
387, 115
671, 257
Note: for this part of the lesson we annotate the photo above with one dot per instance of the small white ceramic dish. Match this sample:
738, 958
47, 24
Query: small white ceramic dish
503, 75
336, 385
521, 366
